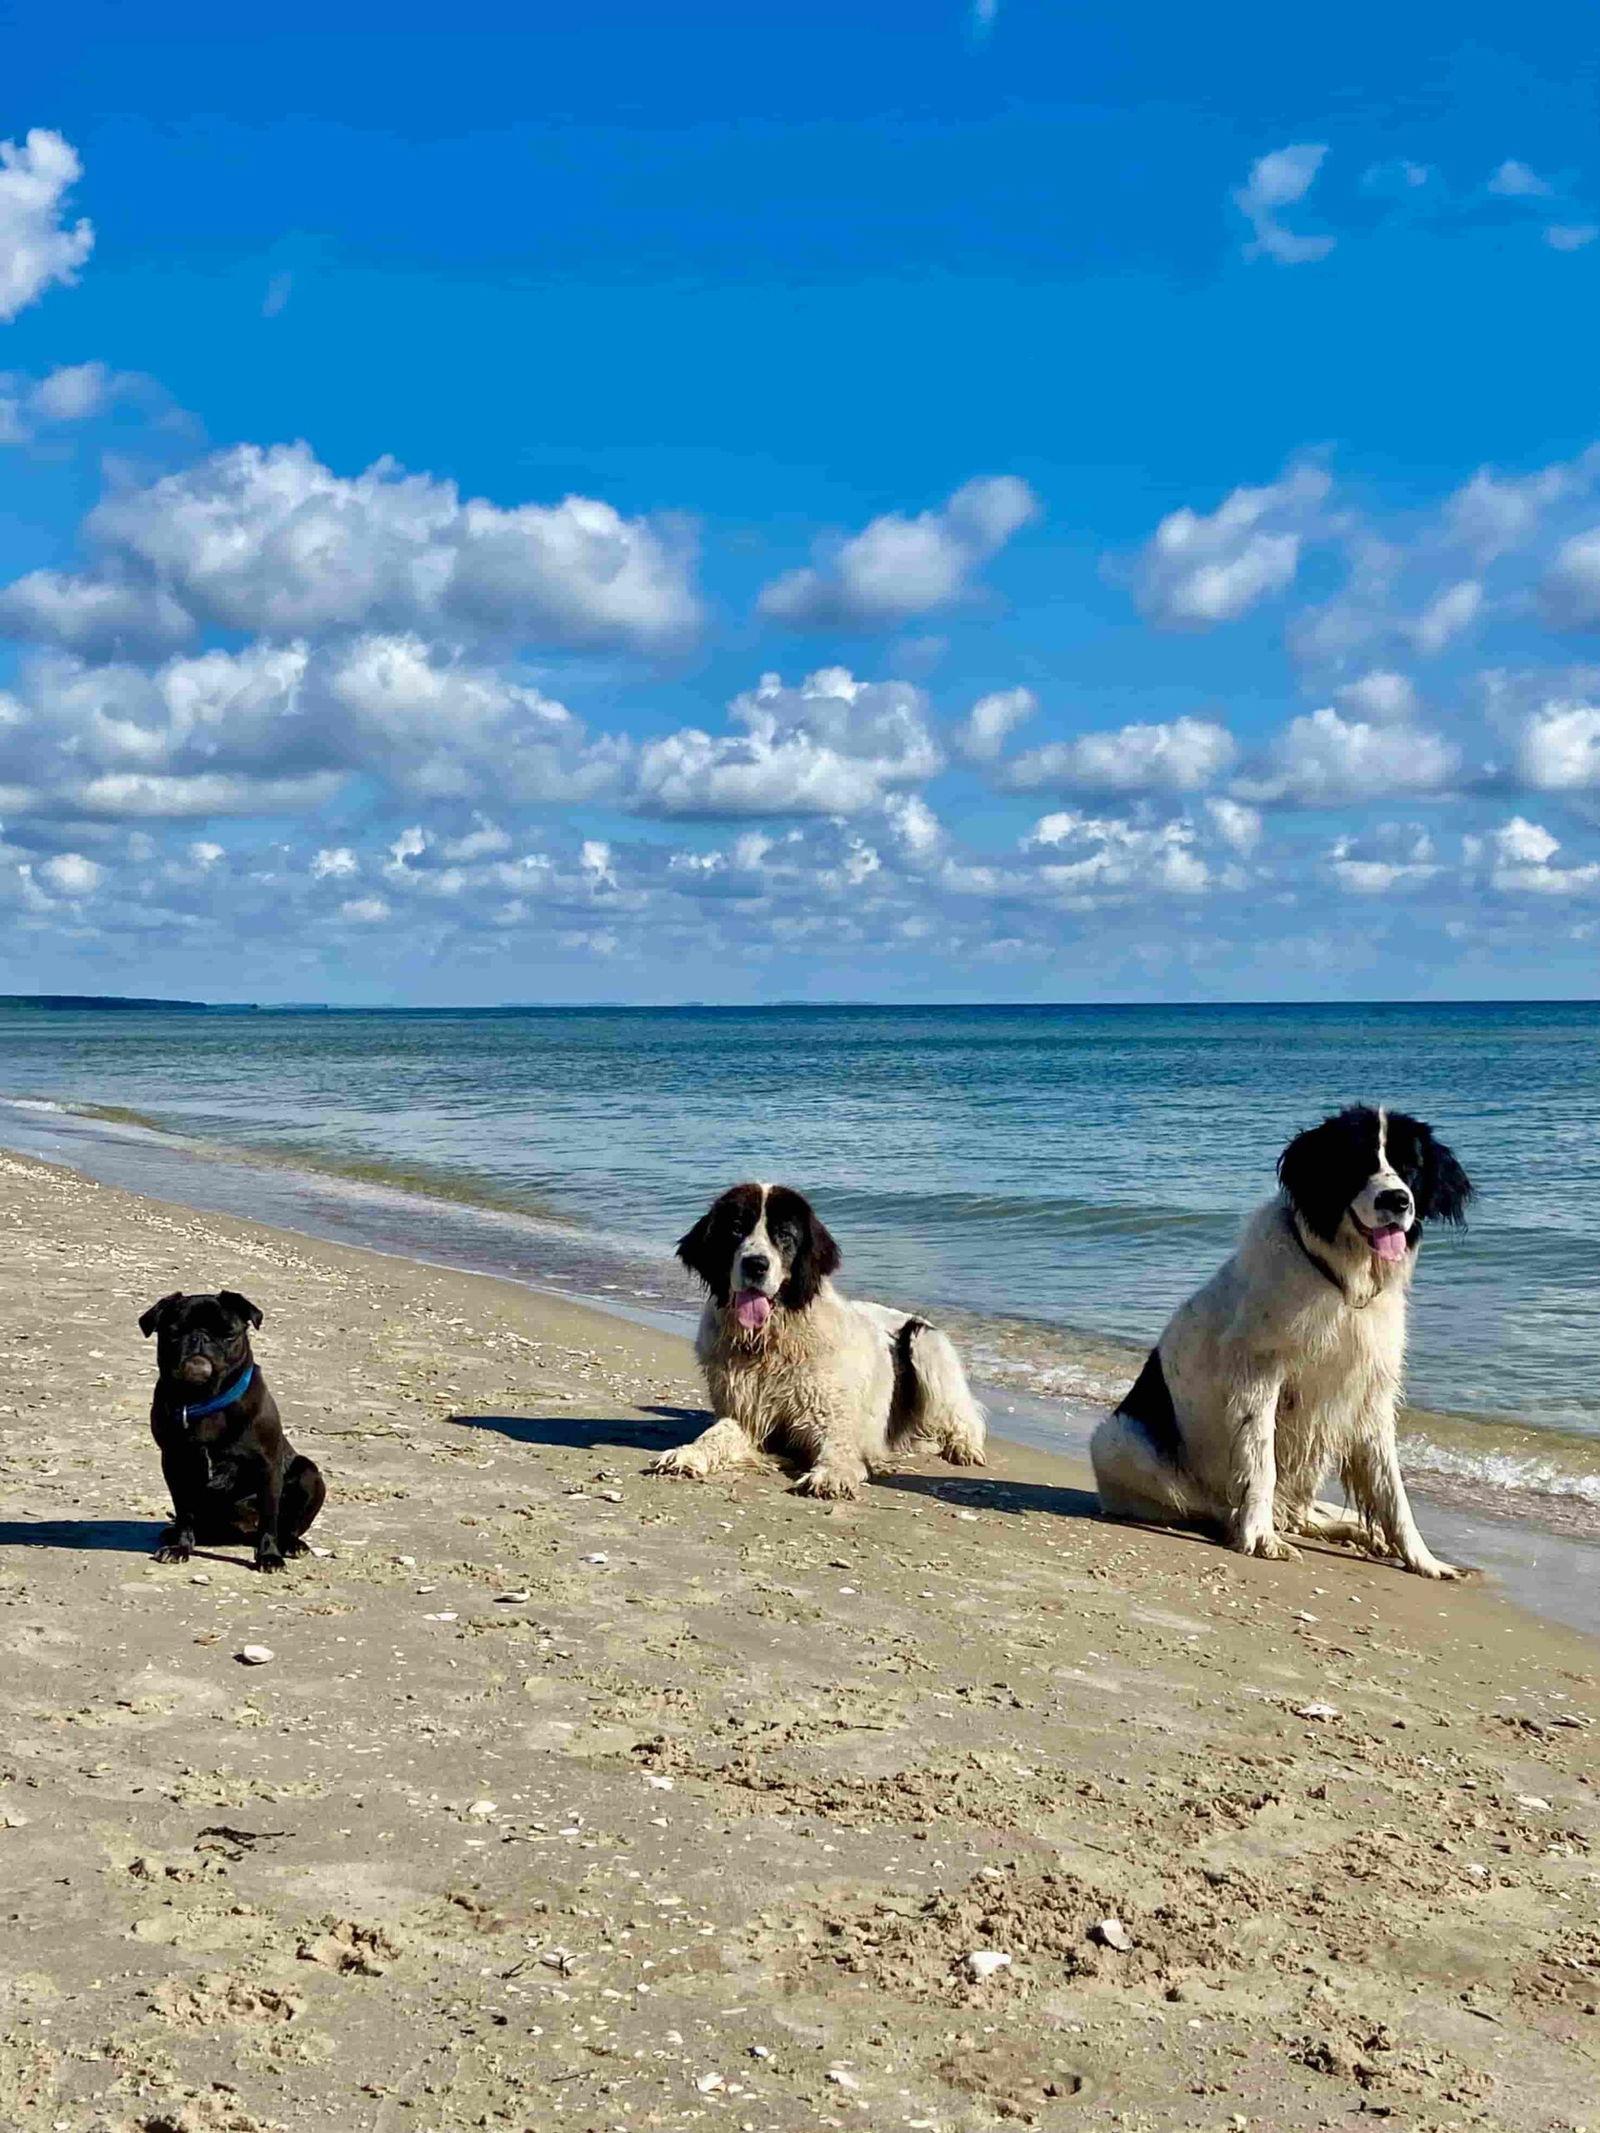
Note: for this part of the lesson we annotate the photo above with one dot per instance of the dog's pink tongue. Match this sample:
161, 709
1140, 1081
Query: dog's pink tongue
752, 1310
1389, 1243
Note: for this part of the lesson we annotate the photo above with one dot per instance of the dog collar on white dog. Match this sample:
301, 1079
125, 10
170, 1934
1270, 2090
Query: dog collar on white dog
1327, 1271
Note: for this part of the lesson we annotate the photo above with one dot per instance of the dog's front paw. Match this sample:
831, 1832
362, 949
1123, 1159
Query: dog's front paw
831, 1483
270, 1558
174, 1549
1269, 1547
961, 1451
1429, 1566
683, 1464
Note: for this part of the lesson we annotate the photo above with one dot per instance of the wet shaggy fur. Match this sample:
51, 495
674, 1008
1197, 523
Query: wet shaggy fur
1287, 1365
833, 1385
233, 1475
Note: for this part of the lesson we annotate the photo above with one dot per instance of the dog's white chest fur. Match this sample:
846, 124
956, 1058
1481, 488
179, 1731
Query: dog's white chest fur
785, 1380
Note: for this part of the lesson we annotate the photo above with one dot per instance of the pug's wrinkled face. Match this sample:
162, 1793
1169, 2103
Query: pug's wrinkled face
201, 1341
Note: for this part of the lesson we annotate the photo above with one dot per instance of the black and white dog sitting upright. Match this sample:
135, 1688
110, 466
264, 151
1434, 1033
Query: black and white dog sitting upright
1286, 1366
792, 1367
233, 1474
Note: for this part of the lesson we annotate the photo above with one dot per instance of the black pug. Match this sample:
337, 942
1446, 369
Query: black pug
232, 1472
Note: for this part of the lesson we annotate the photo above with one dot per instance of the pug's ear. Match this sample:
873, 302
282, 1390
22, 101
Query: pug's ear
240, 1306
149, 1320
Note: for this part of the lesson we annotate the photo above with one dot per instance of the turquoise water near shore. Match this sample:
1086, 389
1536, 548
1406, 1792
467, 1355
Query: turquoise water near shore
1051, 1180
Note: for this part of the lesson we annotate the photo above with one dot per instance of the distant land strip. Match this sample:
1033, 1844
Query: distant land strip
112, 1003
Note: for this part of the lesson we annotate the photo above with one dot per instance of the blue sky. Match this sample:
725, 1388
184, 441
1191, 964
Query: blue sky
890, 502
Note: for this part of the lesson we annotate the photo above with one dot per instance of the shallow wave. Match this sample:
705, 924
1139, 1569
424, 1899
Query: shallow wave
900, 1209
415, 1183
1498, 1469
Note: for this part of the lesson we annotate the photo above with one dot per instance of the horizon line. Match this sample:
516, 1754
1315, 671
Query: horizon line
91, 1003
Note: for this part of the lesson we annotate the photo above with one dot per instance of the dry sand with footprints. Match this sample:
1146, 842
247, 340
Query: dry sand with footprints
575, 1799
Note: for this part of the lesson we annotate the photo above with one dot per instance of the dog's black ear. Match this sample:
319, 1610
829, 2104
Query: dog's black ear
1444, 1188
694, 1249
816, 1256
1318, 1170
149, 1320
240, 1306
707, 1250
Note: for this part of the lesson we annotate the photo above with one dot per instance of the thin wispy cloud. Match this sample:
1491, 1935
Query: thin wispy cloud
1414, 195
1516, 181
1277, 181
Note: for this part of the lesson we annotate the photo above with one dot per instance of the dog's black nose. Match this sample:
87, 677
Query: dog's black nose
755, 1266
1397, 1201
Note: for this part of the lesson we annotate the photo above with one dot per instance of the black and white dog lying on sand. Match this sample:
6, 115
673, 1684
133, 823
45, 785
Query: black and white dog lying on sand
1286, 1366
794, 1368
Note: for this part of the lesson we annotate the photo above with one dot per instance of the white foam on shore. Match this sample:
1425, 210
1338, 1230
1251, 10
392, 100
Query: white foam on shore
1499, 1470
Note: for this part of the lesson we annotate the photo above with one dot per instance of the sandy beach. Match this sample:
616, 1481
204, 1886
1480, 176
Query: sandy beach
575, 1798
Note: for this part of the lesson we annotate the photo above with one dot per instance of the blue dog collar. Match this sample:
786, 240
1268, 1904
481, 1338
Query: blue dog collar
236, 1391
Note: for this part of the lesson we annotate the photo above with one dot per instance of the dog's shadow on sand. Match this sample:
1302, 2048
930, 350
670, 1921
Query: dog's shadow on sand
587, 1433
108, 1536
122, 1536
676, 1425
1015, 1497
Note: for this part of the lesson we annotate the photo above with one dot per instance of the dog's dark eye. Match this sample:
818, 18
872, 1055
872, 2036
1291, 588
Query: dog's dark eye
784, 1235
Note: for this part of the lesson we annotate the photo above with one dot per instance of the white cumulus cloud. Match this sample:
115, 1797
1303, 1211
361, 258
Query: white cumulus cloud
1199, 569
39, 249
1571, 589
1558, 748
1325, 760
102, 618
270, 541
898, 567
70, 874
1387, 698
280, 727
983, 733
443, 729
1392, 855
1521, 865
1180, 756
833, 745
1092, 857
1238, 826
